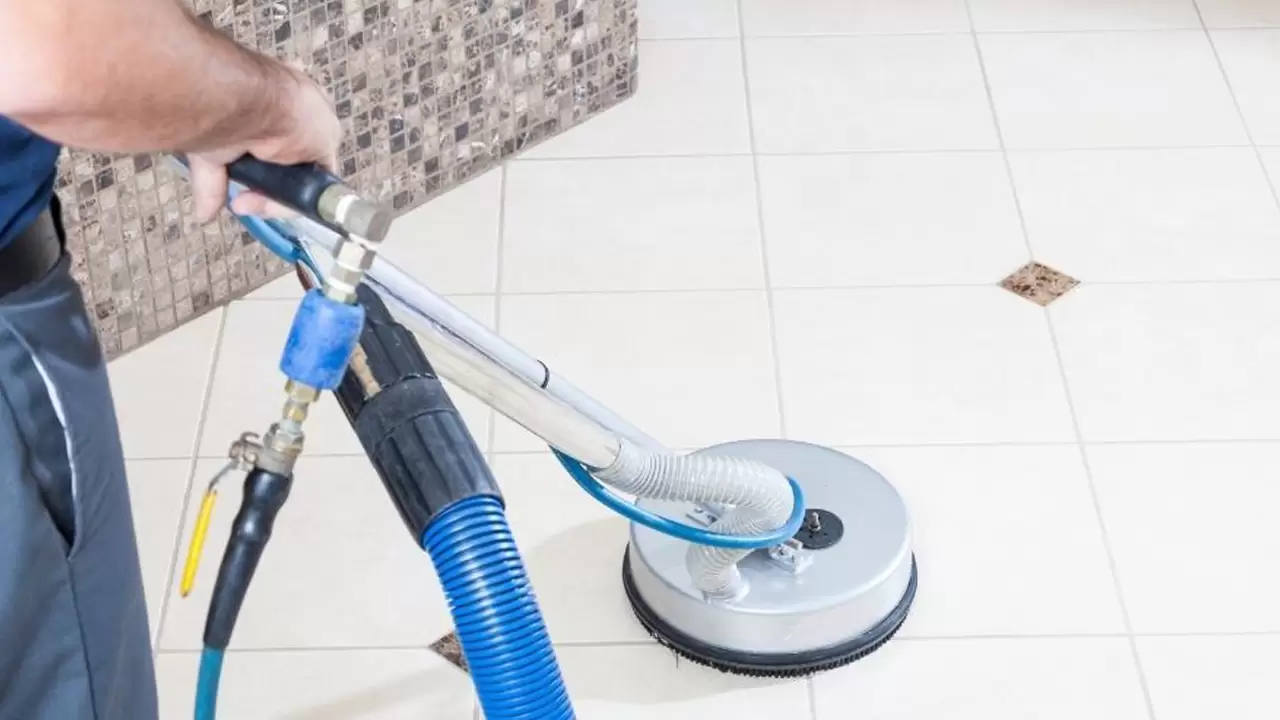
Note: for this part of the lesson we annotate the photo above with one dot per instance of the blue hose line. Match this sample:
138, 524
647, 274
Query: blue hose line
495, 613
667, 526
207, 685
273, 237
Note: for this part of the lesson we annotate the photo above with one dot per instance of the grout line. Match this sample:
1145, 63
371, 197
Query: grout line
820, 288
176, 555
853, 152
1235, 100
652, 644
1088, 636
497, 298
609, 644
1102, 526
860, 35
999, 129
315, 648
683, 38
856, 446
812, 691
1066, 387
775, 347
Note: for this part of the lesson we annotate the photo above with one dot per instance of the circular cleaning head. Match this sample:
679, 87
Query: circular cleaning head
839, 591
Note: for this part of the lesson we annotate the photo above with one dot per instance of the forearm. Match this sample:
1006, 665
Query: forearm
134, 76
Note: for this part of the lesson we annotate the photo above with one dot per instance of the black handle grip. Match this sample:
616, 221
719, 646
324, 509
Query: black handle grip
410, 429
298, 186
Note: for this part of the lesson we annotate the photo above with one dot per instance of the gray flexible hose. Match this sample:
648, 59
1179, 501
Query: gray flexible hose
759, 496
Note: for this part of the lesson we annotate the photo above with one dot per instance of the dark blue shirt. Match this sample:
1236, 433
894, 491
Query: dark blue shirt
28, 169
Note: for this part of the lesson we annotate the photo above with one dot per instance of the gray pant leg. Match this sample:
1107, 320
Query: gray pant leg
74, 640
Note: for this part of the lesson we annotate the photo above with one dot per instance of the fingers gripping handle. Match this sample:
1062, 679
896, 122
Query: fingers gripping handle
300, 187
313, 191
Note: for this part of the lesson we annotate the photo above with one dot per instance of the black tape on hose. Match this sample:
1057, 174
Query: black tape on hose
409, 428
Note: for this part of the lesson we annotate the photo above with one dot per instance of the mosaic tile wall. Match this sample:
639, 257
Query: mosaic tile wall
430, 92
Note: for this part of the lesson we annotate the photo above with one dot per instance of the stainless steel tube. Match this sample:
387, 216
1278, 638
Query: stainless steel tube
499, 386
420, 307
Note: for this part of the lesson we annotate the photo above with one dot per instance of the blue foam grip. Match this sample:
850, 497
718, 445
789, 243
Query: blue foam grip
500, 628
323, 336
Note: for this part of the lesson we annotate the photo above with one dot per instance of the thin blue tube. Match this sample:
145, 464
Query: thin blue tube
207, 685
495, 613
667, 526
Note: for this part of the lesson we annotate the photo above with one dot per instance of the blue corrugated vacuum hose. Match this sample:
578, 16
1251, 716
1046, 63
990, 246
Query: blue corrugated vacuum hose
501, 630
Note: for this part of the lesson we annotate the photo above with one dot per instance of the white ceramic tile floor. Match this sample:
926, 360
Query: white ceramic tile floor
1239, 13
1109, 89
1060, 15
1252, 59
1091, 484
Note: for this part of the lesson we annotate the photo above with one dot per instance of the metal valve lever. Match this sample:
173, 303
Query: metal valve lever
241, 456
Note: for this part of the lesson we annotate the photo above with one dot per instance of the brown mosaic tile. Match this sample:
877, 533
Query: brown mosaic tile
430, 93
450, 649
1039, 283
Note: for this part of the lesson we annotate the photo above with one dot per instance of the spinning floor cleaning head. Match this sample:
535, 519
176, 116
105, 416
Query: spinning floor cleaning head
762, 557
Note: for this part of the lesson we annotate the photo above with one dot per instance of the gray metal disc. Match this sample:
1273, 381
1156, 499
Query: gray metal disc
846, 603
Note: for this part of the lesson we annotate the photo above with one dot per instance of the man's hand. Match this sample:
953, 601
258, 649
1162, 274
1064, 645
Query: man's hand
133, 76
312, 134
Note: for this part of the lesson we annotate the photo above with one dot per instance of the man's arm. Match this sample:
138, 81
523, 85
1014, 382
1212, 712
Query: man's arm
143, 75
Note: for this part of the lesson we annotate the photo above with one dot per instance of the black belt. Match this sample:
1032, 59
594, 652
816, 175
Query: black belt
31, 255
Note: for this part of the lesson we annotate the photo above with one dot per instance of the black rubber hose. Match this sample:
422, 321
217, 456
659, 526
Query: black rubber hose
409, 427
298, 186
264, 494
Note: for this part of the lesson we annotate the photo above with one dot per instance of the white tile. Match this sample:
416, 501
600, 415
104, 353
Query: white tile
1040, 15
1252, 61
282, 288
690, 369
159, 390
1194, 678
1007, 538
1143, 215
868, 93
341, 570
987, 680
1192, 529
889, 219
572, 547
635, 224
1111, 89
248, 387
669, 19
1271, 162
1172, 362
363, 684
916, 366
773, 18
1239, 13
157, 490
451, 243
645, 682
691, 101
